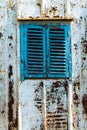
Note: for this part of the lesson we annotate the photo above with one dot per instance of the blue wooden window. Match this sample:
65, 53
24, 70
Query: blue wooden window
45, 51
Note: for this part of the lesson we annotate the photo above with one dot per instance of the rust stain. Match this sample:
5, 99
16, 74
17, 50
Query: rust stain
55, 85
10, 105
84, 103
75, 96
13, 123
76, 102
56, 121
39, 3
84, 58
56, 111
1, 35
76, 99
10, 71
76, 83
65, 84
39, 97
56, 117
42, 127
76, 88
53, 10
84, 43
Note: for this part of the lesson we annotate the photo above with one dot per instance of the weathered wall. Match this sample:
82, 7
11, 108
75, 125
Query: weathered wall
75, 102
8, 78
77, 85
77, 97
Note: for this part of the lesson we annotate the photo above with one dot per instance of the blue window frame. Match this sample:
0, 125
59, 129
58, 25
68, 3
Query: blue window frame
45, 50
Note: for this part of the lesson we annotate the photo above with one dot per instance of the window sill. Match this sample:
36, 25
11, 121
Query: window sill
46, 19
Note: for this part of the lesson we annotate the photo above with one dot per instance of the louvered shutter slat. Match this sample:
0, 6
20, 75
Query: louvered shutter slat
56, 52
35, 63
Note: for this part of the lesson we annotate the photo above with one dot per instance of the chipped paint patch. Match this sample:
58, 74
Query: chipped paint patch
10, 37
84, 43
11, 4
1, 35
39, 97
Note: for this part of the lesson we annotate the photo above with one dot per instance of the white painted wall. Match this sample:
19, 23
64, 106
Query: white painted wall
10, 84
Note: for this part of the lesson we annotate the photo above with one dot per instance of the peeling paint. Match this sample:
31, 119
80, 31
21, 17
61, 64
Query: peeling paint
10, 37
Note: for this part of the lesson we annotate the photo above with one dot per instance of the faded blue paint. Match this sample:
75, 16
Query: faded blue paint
68, 52
22, 43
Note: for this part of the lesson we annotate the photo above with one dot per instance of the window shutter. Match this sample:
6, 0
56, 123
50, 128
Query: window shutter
58, 64
45, 51
34, 52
